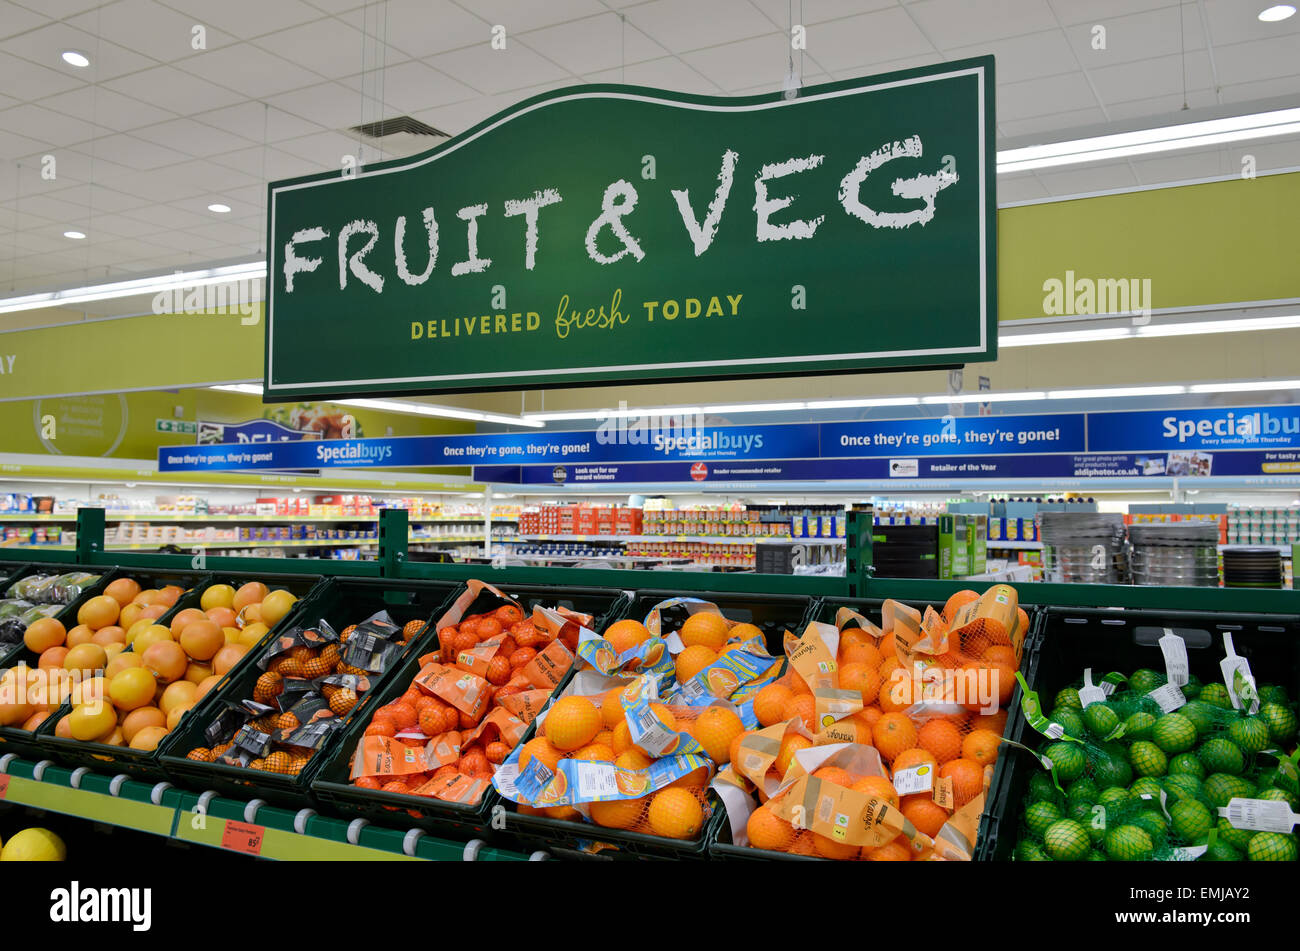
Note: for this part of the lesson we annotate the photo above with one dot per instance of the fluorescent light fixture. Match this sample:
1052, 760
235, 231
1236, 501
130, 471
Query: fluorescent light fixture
1245, 386
447, 412
1148, 141
144, 285
617, 413
81, 60
219, 208
1115, 391
254, 389
857, 404
74, 235
754, 407
1219, 326
1275, 13
984, 397
1064, 336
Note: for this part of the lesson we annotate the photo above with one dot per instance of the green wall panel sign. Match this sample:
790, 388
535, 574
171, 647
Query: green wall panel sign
605, 233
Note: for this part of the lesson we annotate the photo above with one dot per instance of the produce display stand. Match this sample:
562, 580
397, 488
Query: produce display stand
1073, 638
147, 765
339, 602
331, 786
1124, 605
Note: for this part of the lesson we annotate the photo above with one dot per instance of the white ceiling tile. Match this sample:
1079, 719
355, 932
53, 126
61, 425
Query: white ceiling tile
249, 70
102, 198
1269, 153
407, 88
1040, 97
13, 146
680, 25
1163, 107
809, 81
192, 138
106, 108
1024, 57
1261, 59
47, 126
136, 153
818, 11
55, 209
27, 81
1014, 128
890, 66
422, 28
864, 40
212, 178
154, 187
330, 105
152, 29
167, 216
1020, 187
330, 48
1235, 21
59, 9
324, 150
247, 18
1103, 11
1262, 89
667, 73
272, 163
174, 89
519, 16
81, 165
45, 47
334, 6
742, 64
1088, 178
493, 71
126, 227
255, 121
1160, 76
15, 19
959, 23
1141, 36
599, 42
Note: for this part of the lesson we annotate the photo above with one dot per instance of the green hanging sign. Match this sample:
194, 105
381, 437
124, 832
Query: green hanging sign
614, 233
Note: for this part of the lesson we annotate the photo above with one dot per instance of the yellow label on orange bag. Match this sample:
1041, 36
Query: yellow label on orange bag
840, 814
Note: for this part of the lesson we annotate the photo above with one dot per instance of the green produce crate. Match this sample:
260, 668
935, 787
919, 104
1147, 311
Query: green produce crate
1124, 640
101, 757
331, 784
721, 846
340, 602
12, 738
773, 614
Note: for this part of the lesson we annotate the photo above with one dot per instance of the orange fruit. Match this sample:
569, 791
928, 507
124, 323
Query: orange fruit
81, 634
836, 775
802, 845
99, 611
860, 652
704, 628
892, 734
916, 756
987, 686
605, 738
769, 703
695, 779
617, 813
923, 812
541, 748
981, 746
166, 660
899, 691
790, 744
123, 591
886, 647
868, 716
999, 654
803, 706
202, 639
692, 660
666, 716
830, 849
967, 779
795, 682
635, 758
895, 850
733, 750
714, 729
611, 711
887, 667
572, 723
675, 813
862, 678
625, 635
44, 633
594, 751
956, 603
879, 787
941, 738
994, 722
622, 739
767, 830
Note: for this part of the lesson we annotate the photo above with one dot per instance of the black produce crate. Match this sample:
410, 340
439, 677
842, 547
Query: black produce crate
773, 614
12, 738
147, 765
340, 602
331, 784
1106, 639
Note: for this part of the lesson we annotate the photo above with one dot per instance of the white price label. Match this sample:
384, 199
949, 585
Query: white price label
504, 779
1261, 815
1169, 697
1175, 650
1187, 853
1089, 693
1238, 678
917, 779
596, 779
1054, 731
649, 734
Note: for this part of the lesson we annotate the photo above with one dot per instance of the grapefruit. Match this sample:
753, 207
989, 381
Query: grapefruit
166, 660
217, 596
275, 606
201, 639
44, 633
123, 591
254, 592
99, 611
185, 617
132, 688
85, 657
34, 845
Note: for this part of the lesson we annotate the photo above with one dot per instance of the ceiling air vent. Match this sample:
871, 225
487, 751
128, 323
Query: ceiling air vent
400, 136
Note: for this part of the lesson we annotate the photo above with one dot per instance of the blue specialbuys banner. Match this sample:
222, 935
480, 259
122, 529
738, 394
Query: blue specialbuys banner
1237, 427
955, 435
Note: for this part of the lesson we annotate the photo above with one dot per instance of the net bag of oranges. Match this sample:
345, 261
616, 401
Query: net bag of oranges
611, 753
312, 679
925, 690
471, 701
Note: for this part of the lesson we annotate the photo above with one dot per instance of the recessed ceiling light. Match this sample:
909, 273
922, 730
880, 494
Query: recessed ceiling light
81, 60
1273, 14
74, 235
219, 208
